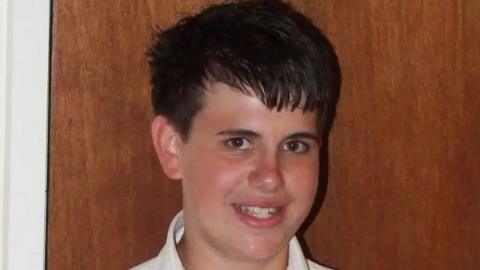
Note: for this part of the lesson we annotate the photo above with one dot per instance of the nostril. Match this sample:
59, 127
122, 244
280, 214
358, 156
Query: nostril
266, 178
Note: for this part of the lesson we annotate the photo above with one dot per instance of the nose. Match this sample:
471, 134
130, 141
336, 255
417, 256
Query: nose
267, 176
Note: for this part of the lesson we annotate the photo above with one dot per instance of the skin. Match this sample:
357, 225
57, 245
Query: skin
240, 153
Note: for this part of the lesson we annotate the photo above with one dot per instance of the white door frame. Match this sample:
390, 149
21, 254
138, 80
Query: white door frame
24, 91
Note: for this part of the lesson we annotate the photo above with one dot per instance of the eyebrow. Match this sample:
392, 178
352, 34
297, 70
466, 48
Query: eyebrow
253, 134
238, 132
304, 135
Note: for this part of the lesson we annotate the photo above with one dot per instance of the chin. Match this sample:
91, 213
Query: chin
264, 249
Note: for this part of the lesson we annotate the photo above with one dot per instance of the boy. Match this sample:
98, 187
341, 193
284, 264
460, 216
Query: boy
243, 93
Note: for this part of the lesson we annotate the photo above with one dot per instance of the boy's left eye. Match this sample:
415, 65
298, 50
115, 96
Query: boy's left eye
296, 147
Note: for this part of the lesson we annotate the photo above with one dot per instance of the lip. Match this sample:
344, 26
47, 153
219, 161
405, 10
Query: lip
257, 223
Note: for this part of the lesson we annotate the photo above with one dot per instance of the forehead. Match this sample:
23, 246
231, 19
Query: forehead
225, 106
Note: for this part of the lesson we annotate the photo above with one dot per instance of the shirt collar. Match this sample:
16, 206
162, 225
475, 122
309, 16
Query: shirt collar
170, 259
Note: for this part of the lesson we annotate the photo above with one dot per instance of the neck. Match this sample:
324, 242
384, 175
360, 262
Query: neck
197, 256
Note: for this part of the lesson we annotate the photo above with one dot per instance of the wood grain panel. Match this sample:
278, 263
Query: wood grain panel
404, 177
109, 203
404, 188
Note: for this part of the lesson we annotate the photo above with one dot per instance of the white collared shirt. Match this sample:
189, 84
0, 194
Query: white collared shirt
168, 258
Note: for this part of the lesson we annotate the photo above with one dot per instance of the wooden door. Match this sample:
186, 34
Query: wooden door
404, 154
404, 185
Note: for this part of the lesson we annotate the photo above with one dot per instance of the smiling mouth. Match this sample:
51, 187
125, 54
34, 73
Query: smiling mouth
258, 212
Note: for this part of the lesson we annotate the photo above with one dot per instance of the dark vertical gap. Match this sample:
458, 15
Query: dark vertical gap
49, 108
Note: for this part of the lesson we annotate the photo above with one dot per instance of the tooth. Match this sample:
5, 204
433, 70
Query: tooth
258, 212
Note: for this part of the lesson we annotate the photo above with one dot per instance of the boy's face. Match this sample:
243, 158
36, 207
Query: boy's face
249, 175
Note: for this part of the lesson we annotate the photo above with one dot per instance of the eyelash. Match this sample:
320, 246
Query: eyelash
305, 146
230, 143
238, 143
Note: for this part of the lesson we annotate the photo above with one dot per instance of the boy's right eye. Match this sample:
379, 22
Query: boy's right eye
239, 143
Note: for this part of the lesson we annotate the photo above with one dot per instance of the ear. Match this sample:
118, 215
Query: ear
167, 142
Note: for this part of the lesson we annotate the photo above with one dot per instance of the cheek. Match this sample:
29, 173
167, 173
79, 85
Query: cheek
305, 187
303, 179
211, 179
